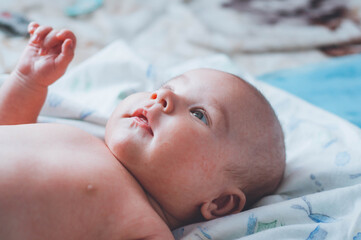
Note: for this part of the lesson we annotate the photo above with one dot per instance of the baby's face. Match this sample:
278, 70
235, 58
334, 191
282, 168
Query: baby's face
177, 140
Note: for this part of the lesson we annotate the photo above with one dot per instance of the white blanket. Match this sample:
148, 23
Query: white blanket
320, 197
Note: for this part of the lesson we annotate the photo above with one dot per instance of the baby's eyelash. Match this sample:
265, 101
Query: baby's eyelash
204, 113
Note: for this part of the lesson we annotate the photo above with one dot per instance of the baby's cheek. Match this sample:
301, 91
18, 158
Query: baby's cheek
208, 167
194, 144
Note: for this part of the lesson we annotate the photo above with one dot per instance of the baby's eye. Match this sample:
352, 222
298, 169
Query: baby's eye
200, 114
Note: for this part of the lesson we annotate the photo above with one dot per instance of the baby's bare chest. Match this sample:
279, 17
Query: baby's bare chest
59, 177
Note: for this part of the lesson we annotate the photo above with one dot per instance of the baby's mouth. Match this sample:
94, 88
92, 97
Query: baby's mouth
140, 117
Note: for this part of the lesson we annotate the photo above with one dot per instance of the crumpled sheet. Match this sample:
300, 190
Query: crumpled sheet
168, 32
266, 25
319, 197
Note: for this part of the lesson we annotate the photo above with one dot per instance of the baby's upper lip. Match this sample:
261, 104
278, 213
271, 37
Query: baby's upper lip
141, 113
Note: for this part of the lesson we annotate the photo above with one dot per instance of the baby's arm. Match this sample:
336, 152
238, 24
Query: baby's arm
43, 61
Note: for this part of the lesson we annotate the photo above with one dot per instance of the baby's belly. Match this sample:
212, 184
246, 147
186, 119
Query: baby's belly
57, 177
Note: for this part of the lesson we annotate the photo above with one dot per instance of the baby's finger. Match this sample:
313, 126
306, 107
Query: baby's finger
67, 49
51, 40
40, 33
67, 34
67, 53
32, 27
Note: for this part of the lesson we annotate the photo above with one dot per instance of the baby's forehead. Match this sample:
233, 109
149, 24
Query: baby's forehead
224, 88
207, 78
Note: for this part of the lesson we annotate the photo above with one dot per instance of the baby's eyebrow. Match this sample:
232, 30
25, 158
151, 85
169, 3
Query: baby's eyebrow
162, 84
167, 86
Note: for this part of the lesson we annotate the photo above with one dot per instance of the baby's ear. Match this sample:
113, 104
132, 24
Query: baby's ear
227, 203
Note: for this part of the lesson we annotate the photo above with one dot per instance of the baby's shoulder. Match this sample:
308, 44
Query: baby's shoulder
44, 130
63, 130
65, 135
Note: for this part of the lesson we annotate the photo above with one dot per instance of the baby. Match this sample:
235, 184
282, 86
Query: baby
205, 145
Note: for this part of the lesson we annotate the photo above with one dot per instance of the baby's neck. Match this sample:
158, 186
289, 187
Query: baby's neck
171, 221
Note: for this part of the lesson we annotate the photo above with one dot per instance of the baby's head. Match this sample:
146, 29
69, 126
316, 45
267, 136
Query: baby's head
205, 145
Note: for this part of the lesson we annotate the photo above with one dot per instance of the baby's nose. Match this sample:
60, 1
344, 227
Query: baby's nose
164, 97
162, 101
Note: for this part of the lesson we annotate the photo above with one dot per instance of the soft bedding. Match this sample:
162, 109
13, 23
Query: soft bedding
319, 197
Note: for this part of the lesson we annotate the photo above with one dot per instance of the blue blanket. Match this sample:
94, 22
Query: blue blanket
334, 85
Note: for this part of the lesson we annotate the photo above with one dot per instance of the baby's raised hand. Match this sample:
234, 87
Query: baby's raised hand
46, 56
